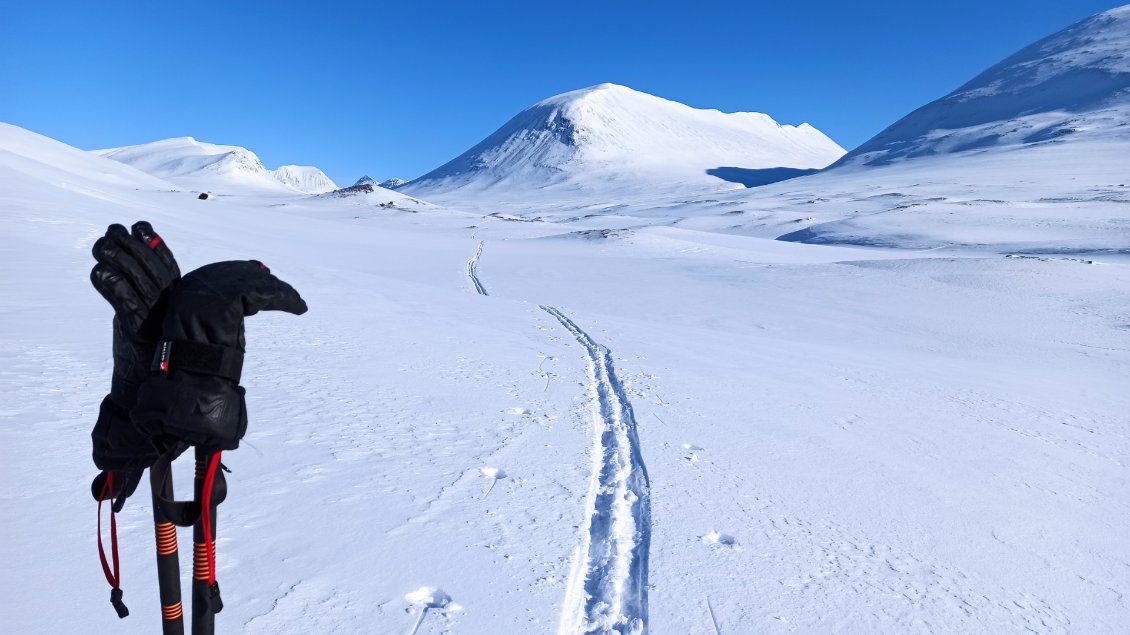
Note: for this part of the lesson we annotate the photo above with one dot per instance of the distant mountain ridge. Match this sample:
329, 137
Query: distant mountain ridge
208, 166
388, 184
611, 134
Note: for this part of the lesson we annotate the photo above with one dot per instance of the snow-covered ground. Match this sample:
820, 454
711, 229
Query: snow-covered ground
566, 414
836, 439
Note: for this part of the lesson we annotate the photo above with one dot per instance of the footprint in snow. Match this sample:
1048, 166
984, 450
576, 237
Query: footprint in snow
517, 411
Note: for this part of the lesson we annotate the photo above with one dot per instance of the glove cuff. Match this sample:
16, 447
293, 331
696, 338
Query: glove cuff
118, 444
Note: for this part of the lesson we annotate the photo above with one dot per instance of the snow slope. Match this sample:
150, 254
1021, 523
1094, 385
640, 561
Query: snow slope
47, 162
453, 439
611, 136
305, 178
1073, 84
217, 168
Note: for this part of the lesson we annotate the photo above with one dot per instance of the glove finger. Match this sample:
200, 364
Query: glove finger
115, 250
129, 480
121, 295
144, 232
137, 261
267, 293
103, 249
124, 485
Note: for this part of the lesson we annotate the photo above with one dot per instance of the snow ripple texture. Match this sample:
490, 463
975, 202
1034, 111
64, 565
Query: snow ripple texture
607, 591
473, 271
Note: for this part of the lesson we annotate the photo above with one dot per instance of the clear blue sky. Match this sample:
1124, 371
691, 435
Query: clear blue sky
396, 89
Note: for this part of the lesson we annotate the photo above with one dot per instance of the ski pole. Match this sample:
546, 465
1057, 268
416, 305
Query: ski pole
168, 560
210, 490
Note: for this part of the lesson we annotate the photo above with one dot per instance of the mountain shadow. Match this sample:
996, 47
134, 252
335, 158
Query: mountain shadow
756, 178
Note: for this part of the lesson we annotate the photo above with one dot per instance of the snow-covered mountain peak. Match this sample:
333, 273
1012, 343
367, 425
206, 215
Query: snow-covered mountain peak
612, 134
1071, 85
305, 178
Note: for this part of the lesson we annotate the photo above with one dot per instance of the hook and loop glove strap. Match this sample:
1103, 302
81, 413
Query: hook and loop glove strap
133, 273
196, 397
198, 357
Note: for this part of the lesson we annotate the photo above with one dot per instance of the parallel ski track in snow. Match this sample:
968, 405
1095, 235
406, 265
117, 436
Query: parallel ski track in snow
607, 591
473, 271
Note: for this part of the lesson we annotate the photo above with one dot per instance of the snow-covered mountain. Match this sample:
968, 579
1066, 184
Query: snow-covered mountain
305, 178
388, 184
220, 168
1029, 156
613, 136
1073, 84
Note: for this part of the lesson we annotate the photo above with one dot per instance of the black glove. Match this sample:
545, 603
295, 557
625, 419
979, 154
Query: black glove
133, 273
194, 392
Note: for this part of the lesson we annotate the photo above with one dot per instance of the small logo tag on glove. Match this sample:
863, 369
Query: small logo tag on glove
163, 356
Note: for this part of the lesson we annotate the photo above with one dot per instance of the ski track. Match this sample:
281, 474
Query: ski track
607, 590
473, 271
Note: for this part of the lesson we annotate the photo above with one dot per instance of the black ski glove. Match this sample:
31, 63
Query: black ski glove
194, 392
134, 271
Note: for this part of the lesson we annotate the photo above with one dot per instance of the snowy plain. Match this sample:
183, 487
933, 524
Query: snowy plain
837, 439
873, 400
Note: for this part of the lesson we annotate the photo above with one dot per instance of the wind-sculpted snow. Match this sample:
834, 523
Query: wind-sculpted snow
607, 592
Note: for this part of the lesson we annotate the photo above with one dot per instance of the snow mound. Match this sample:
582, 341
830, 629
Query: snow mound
305, 178
1073, 84
428, 597
613, 135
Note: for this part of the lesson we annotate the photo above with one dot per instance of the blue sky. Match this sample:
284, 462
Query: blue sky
396, 89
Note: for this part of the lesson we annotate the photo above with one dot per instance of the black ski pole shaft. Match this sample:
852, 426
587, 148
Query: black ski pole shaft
204, 603
168, 560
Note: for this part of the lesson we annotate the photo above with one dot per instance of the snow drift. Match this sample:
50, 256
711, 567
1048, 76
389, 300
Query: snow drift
612, 135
